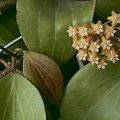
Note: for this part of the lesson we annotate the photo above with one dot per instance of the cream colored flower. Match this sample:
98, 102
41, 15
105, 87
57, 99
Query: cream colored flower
82, 55
102, 64
93, 41
109, 31
112, 55
83, 31
84, 43
94, 47
72, 31
106, 44
76, 44
94, 59
98, 28
115, 18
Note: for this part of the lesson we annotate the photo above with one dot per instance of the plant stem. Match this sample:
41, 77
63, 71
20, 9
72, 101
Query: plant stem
7, 51
117, 28
106, 22
3, 62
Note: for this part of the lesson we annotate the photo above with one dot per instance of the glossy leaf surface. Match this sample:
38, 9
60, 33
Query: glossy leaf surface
43, 25
19, 99
93, 94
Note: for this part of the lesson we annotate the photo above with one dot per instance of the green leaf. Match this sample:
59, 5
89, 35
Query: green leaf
8, 28
104, 8
93, 94
43, 25
19, 99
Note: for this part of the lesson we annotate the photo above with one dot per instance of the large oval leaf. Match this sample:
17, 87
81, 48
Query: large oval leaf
93, 94
43, 25
45, 74
19, 99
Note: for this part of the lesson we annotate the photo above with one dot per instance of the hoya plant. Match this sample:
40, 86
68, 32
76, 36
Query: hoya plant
59, 60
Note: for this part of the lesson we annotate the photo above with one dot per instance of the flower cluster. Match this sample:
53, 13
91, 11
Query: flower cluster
94, 42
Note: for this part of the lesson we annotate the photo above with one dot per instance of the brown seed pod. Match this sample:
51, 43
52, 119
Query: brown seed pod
45, 74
